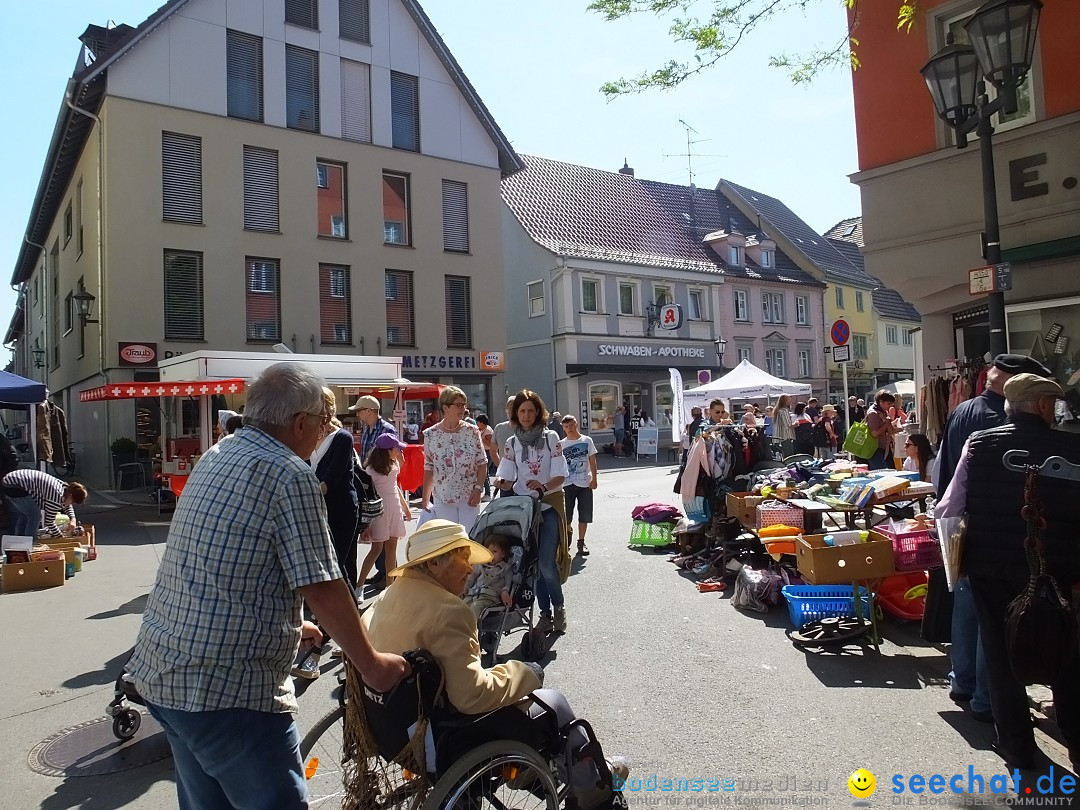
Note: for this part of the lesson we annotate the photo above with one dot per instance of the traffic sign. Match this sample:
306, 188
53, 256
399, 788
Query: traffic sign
840, 332
841, 354
991, 278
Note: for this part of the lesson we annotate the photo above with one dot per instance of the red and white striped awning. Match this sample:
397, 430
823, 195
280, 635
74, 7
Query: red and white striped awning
129, 390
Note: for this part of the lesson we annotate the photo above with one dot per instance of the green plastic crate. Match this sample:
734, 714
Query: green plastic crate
651, 534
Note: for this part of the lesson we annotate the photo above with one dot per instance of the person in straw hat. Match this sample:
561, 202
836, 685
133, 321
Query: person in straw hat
423, 609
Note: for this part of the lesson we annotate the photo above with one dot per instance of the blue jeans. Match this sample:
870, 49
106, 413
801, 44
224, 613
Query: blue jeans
235, 758
27, 515
881, 460
969, 674
549, 583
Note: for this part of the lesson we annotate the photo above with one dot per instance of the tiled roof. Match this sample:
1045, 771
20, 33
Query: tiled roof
846, 237
711, 212
86, 88
816, 248
592, 214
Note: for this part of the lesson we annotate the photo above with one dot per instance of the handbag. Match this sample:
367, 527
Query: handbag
1040, 626
371, 504
860, 442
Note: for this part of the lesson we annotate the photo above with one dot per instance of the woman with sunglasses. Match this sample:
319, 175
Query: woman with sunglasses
455, 465
918, 453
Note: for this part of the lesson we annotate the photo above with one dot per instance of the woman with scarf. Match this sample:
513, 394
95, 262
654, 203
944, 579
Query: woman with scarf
455, 465
532, 464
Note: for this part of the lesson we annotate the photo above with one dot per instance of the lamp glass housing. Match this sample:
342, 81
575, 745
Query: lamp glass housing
84, 304
952, 76
1002, 32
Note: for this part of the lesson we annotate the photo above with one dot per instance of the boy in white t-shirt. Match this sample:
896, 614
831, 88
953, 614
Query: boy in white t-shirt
580, 454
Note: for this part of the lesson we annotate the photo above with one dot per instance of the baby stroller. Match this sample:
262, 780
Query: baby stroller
518, 518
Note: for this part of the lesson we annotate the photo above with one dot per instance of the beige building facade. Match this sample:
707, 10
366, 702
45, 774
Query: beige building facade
329, 182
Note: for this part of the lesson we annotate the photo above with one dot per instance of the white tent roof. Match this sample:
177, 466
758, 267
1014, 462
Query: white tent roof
903, 387
745, 381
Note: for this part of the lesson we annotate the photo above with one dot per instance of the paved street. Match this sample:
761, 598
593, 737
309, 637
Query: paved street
679, 682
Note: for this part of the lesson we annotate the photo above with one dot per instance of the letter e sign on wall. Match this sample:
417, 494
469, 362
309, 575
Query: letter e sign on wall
1023, 176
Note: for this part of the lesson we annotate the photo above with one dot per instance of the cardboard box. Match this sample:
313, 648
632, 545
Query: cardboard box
743, 506
31, 576
820, 564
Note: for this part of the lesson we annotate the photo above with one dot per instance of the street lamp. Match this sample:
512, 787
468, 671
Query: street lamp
39, 357
720, 345
1002, 34
84, 306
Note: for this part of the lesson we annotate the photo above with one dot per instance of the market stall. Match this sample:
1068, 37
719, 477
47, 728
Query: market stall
745, 381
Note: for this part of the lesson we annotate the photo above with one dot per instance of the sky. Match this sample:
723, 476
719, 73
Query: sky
538, 66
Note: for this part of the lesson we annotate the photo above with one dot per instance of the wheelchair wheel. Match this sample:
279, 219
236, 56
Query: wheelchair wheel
497, 775
322, 754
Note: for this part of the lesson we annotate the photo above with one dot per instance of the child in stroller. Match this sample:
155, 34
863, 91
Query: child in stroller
489, 584
513, 521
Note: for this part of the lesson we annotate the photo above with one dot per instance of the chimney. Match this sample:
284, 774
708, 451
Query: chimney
626, 168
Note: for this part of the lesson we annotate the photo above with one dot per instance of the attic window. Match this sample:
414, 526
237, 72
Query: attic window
734, 256
850, 229
766, 258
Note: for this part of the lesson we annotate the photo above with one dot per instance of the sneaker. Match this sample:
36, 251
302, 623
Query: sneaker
559, 624
337, 653
545, 625
582, 549
308, 669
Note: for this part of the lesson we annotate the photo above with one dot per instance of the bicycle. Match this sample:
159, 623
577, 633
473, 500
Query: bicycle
66, 470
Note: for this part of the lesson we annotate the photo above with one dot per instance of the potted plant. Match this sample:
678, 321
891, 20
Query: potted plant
124, 451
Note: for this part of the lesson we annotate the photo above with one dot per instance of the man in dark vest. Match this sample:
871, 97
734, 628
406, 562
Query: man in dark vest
968, 679
994, 560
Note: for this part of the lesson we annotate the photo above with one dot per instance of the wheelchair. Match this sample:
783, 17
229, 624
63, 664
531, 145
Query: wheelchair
408, 749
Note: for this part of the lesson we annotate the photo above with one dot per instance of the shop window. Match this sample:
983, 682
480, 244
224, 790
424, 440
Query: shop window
603, 400
330, 196
1049, 332
663, 402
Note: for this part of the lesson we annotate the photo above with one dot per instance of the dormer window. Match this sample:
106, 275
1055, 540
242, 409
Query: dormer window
766, 258
734, 256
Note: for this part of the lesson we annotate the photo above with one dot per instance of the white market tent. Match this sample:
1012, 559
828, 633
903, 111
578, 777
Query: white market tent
745, 381
904, 388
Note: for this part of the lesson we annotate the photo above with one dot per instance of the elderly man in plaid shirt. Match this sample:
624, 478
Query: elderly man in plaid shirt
248, 546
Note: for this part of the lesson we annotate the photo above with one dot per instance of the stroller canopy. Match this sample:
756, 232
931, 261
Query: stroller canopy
516, 515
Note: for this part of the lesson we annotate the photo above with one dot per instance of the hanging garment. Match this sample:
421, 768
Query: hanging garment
42, 426
58, 428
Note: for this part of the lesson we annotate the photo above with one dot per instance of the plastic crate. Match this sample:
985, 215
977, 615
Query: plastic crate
808, 603
914, 551
651, 534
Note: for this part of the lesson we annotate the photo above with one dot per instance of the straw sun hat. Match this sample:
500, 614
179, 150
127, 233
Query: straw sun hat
437, 537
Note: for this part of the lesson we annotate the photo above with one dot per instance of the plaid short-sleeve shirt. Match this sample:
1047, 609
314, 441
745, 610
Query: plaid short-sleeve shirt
222, 623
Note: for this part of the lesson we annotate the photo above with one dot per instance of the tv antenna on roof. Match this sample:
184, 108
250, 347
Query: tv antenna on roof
689, 153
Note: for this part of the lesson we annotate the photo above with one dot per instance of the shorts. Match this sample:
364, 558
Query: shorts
583, 497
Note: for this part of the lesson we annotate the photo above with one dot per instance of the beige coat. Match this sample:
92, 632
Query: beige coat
415, 612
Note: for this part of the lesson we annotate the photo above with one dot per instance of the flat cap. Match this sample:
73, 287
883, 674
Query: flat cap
1020, 364
1030, 387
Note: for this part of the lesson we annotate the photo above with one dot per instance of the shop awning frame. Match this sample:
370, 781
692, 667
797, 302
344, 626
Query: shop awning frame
192, 388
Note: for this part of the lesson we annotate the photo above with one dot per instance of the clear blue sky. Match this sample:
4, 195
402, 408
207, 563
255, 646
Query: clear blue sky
538, 66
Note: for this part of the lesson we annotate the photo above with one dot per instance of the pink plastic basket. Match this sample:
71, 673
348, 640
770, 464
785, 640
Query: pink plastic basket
914, 551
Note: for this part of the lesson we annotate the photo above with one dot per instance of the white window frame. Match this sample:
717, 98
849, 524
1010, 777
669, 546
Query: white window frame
701, 314
734, 255
802, 310
766, 258
744, 353
839, 297
322, 175
634, 297
776, 361
262, 278
805, 368
907, 336
531, 288
860, 303
779, 316
667, 289
766, 308
598, 295
890, 334
742, 298
864, 341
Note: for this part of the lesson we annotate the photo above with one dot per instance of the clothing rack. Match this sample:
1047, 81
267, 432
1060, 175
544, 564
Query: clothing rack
1053, 467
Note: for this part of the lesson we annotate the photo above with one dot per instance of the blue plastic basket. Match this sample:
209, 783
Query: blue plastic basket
808, 603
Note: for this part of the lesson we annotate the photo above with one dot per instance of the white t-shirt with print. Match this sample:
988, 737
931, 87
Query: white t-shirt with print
539, 466
577, 453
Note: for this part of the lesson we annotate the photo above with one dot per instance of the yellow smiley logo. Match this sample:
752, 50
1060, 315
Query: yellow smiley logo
862, 784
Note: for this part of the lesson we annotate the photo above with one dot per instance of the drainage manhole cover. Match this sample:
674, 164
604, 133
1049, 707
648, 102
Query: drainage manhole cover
90, 749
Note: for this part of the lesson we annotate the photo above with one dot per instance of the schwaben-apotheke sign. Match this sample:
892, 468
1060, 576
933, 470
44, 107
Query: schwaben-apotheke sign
636, 352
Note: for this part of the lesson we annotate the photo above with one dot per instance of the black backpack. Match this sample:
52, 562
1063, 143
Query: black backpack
821, 436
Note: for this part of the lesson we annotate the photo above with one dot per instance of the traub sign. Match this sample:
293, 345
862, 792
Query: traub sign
138, 354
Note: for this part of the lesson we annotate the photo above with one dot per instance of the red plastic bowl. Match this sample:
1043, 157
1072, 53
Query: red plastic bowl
891, 595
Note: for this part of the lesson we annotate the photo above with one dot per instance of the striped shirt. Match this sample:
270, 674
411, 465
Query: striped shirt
222, 624
370, 434
47, 490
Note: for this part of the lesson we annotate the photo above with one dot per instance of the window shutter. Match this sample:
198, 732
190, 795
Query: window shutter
302, 12
260, 189
181, 178
335, 321
405, 111
355, 100
399, 308
183, 295
244, 75
301, 88
458, 313
455, 211
354, 20
263, 299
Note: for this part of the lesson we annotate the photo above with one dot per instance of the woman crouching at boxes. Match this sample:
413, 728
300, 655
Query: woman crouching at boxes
31, 492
